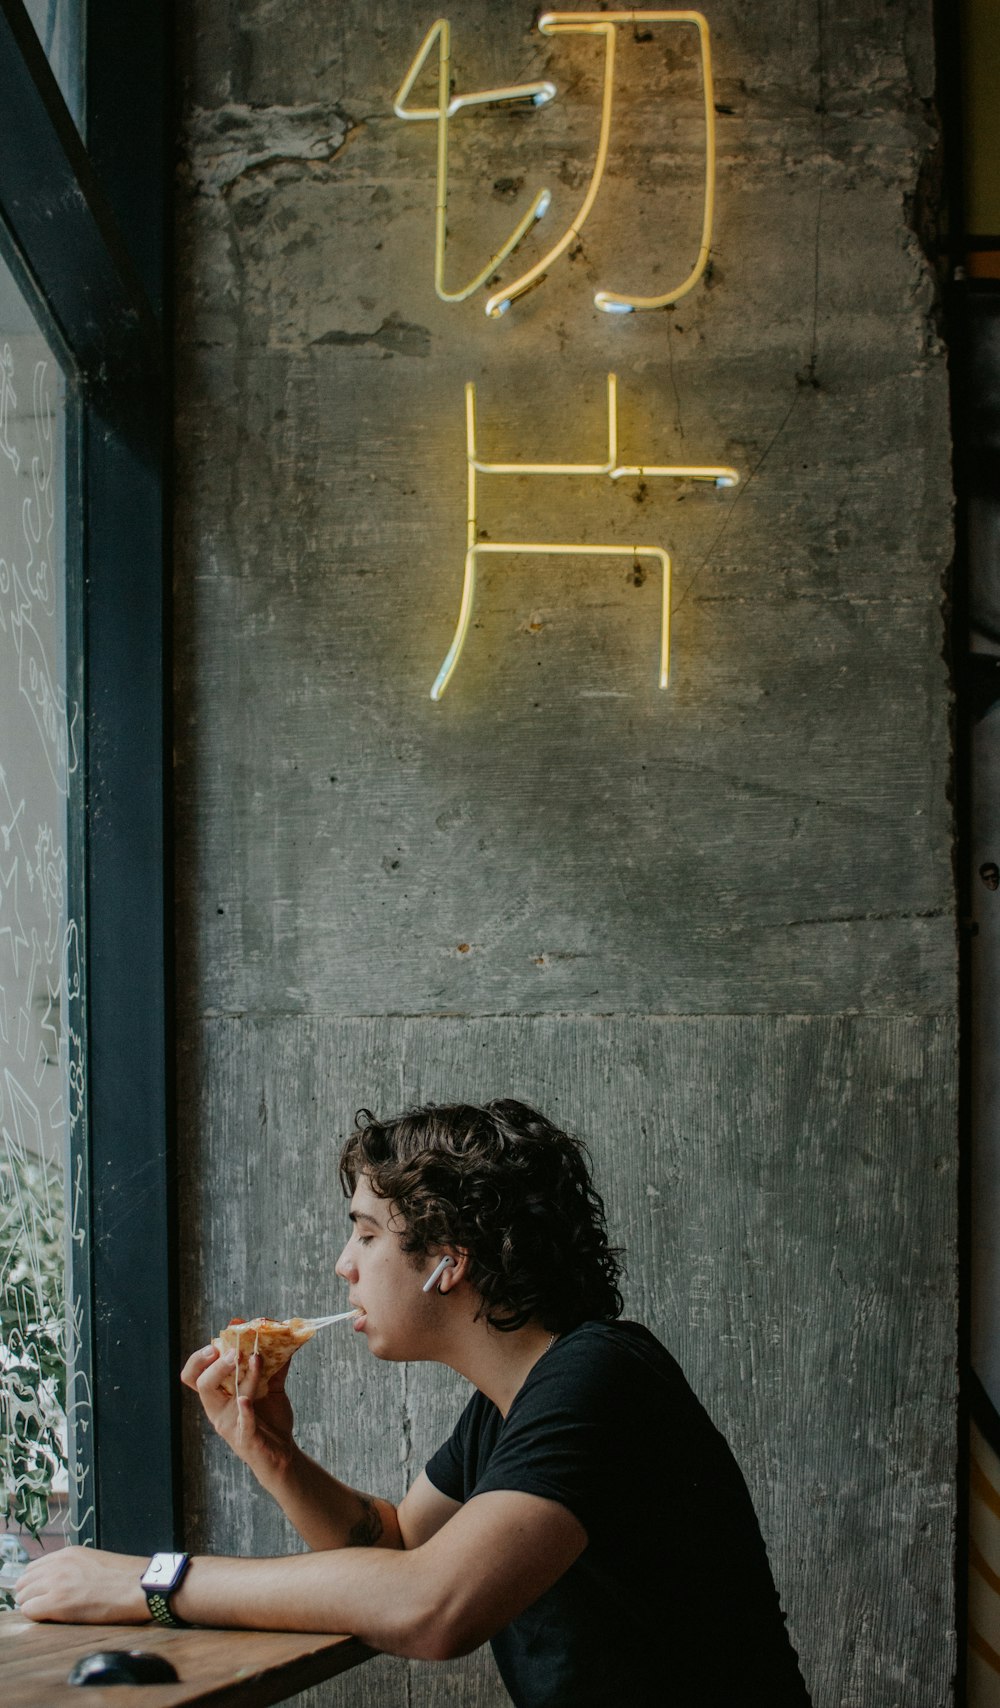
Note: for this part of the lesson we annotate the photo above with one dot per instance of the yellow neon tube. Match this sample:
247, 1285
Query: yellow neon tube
614, 302
524, 548
500, 302
680, 471
447, 106
471, 531
722, 476
470, 466
719, 473
604, 23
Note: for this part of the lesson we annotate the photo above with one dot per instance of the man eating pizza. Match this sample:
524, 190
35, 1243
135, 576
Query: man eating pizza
585, 1516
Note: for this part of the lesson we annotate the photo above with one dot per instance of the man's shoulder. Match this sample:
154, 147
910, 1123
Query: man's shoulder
609, 1362
619, 1342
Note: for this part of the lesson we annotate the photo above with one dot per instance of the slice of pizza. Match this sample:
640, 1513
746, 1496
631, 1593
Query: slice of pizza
274, 1341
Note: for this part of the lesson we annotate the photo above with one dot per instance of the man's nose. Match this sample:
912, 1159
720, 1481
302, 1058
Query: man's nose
345, 1266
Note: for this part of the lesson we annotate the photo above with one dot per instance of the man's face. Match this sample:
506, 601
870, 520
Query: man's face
386, 1284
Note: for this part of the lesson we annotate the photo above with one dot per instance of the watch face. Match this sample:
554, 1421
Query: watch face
163, 1571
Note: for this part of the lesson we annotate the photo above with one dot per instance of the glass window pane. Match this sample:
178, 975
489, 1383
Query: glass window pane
45, 1409
59, 28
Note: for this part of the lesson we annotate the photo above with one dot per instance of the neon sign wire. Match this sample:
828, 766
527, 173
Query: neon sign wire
718, 475
447, 106
599, 24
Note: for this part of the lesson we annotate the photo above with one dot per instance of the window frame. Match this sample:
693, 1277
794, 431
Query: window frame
85, 230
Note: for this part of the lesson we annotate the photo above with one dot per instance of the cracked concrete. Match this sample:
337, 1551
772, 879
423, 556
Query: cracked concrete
395, 334
226, 144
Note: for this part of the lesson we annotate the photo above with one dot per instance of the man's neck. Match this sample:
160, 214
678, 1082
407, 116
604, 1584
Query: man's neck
498, 1364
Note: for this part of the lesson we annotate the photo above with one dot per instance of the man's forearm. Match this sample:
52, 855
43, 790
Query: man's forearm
373, 1594
327, 1513
439, 1598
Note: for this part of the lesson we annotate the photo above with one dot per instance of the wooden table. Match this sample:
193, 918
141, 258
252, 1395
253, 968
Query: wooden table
229, 1669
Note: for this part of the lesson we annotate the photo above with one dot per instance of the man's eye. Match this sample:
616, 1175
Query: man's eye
365, 1239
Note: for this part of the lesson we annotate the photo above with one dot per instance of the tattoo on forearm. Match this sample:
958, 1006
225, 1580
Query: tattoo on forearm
366, 1532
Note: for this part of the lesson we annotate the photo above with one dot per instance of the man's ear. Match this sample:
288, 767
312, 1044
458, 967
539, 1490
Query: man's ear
449, 1267
457, 1269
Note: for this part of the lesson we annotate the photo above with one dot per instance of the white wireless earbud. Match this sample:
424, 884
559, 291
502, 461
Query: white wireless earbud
435, 1275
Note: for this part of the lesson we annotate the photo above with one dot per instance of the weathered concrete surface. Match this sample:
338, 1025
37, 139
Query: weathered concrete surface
771, 832
788, 790
558, 841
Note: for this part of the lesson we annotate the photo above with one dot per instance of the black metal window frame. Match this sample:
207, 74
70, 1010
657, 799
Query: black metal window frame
85, 229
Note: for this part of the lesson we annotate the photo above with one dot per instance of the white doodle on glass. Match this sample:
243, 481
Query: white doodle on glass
8, 401
45, 1397
11, 926
43, 694
12, 823
39, 505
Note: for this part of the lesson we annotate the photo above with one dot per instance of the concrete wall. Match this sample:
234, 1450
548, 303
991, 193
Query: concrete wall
710, 928
982, 430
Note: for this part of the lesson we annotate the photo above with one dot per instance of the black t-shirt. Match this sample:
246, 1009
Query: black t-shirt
672, 1603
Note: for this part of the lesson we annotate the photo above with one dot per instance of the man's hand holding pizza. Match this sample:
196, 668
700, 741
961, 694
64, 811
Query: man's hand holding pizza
325, 1512
259, 1430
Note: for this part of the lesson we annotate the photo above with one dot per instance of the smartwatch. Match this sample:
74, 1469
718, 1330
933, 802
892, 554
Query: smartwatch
162, 1576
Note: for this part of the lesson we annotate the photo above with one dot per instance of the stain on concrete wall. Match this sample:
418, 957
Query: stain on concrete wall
712, 928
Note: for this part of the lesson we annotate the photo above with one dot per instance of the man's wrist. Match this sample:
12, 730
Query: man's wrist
281, 1470
160, 1582
182, 1598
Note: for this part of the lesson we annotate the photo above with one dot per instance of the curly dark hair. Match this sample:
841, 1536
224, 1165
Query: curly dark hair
503, 1183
